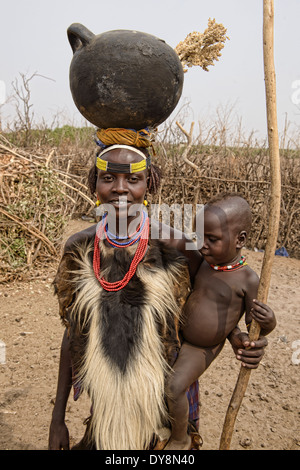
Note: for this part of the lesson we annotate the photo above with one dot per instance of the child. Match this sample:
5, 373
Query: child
224, 289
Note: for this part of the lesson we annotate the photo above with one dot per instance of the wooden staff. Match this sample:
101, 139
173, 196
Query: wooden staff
274, 213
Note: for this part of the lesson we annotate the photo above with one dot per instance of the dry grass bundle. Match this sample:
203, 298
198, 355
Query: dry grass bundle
202, 49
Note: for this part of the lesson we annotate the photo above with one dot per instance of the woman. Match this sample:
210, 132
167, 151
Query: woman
120, 297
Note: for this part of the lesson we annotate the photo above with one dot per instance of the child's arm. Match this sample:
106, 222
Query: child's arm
261, 312
59, 435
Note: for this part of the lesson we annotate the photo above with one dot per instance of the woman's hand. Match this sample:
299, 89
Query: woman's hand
240, 342
58, 436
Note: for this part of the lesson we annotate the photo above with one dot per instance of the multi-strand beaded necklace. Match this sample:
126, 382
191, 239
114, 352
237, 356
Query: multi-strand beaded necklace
141, 235
230, 267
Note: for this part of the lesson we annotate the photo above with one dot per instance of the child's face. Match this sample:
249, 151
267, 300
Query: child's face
220, 237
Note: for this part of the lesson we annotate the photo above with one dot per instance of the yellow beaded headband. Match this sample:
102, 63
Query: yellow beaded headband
122, 167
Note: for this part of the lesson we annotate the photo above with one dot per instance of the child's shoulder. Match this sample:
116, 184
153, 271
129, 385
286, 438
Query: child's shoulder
251, 276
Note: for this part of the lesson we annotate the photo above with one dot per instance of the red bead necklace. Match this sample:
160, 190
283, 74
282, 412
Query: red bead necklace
231, 267
139, 255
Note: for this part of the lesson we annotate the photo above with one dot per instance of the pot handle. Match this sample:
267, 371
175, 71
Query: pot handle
79, 36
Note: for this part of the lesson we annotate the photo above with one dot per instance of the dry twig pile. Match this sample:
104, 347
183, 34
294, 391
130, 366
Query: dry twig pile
35, 203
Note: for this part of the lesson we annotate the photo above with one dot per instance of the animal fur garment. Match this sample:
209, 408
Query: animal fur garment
123, 343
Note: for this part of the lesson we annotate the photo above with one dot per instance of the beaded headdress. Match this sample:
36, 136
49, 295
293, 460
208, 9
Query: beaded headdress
122, 167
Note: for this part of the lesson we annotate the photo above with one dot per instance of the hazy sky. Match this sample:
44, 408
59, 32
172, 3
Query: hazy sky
33, 39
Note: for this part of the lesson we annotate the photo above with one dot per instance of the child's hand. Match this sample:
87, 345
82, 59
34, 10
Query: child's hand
264, 316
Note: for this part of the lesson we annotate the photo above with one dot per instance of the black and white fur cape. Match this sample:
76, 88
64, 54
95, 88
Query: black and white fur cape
123, 343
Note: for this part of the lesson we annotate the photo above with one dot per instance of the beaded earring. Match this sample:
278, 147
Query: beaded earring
98, 210
145, 202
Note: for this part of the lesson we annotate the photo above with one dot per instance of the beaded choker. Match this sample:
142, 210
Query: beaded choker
131, 240
141, 235
230, 267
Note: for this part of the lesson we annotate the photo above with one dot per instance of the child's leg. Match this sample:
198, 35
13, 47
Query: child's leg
192, 361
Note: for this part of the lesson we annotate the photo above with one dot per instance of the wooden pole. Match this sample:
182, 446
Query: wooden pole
274, 212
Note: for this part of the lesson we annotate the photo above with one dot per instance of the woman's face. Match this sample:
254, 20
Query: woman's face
121, 190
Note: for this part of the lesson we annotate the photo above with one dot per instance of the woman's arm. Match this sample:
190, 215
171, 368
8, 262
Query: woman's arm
176, 239
249, 353
59, 435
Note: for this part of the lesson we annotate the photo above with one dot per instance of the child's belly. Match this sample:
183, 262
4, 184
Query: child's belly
208, 322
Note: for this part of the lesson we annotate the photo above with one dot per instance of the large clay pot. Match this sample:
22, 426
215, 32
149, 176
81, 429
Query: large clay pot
123, 78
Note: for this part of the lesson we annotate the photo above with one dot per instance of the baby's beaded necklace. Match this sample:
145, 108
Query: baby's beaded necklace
141, 235
230, 267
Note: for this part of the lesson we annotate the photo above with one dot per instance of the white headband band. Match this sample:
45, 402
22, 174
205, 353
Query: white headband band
128, 147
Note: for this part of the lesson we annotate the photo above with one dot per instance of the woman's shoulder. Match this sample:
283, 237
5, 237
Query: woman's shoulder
83, 237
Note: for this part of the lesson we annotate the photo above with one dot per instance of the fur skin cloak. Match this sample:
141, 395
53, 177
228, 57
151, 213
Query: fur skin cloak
123, 343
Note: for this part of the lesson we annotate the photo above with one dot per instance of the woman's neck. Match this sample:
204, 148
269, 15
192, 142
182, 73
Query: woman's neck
123, 228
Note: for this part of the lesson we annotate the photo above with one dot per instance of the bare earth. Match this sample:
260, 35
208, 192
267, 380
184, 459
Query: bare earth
31, 329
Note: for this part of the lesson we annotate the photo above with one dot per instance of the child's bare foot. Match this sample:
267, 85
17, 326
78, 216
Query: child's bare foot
185, 444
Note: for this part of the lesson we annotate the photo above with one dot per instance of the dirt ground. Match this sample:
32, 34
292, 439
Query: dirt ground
31, 330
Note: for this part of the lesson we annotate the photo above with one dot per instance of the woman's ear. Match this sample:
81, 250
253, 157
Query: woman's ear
241, 239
